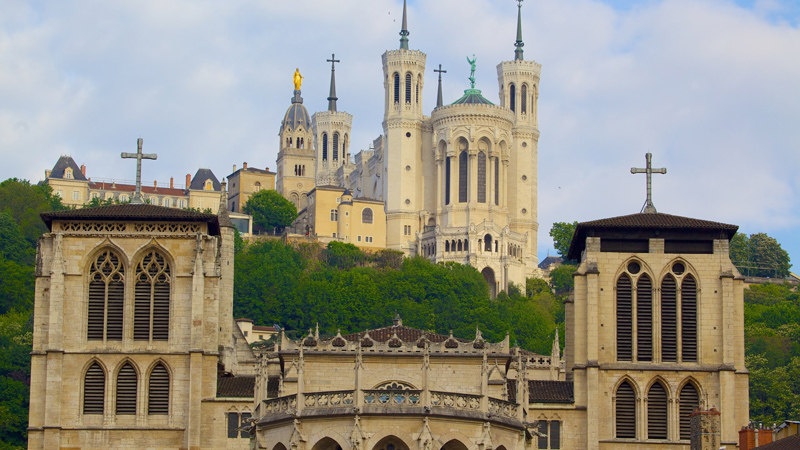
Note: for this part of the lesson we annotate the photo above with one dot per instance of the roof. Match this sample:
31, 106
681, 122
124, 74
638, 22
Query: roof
472, 97
546, 391
129, 211
199, 180
273, 383
117, 187
550, 260
236, 386
645, 225
243, 319
263, 328
296, 115
787, 443
61, 166
251, 170
406, 334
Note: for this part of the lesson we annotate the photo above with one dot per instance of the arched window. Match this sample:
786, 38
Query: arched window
126, 390
167, 202
257, 186
94, 390
158, 391
462, 177
689, 319
487, 240
657, 412
669, 319
644, 318
624, 319
106, 297
459, 245
481, 177
626, 411
151, 298
524, 99
408, 87
447, 181
512, 97
335, 146
396, 87
209, 185
344, 147
689, 401
447, 246
366, 215
324, 146
497, 181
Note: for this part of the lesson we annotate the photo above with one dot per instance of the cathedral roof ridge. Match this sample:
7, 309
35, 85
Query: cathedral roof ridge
128, 211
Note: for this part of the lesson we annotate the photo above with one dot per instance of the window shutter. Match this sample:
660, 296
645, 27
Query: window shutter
94, 390
244, 423
555, 434
408, 88
141, 310
624, 319
657, 412
689, 319
161, 307
626, 412
462, 177
233, 425
481, 177
126, 390
669, 319
97, 291
644, 318
151, 298
158, 400
106, 298
689, 401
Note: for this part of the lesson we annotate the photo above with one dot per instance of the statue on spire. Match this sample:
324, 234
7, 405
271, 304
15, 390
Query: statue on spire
472, 70
298, 79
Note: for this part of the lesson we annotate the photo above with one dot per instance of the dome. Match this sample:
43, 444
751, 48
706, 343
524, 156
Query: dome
297, 115
472, 96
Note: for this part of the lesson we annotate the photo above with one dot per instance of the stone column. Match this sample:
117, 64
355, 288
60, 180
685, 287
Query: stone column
705, 430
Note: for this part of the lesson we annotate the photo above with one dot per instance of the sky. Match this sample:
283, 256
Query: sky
710, 87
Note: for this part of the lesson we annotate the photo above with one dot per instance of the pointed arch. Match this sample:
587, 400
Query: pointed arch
512, 97
689, 305
391, 439
408, 88
644, 318
688, 400
625, 409
624, 318
324, 146
106, 294
152, 293
669, 319
454, 444
657, 396
127, 382
158, 388
94, 387
396, 87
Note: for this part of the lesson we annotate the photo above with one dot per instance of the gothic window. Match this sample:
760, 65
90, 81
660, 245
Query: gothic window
524, 99
394, 386
549, 434
106, 297
396, 87
669, 319
158, 391
366, 215
408, 87
447, 181
335, 146
624, 319
625, 411
151, 298
644, 319
344, 147
94, 390
657, 412
689, 319
447, 246
689, 401
237, 421
497, 181
126, 390
462, 177
512, 97
257, 186
481, 177
324, 146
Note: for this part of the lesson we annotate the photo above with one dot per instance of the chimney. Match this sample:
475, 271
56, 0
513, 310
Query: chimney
83, 170
705, 429
171, 183
155, 185
188, 180
747, 438
244, 166
234, 168
764, 436
267, 169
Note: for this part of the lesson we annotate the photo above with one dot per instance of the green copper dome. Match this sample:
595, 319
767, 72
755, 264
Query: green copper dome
472, 96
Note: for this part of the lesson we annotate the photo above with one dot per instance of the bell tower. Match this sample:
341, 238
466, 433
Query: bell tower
296, 156
332, 131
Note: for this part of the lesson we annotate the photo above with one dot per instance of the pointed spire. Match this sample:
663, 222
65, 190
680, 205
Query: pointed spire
439, 96
519, 44
332, 95
404, 32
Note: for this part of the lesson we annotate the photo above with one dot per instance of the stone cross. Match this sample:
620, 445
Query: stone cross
333, 61
138, 156
440, 71
648, 206
439, 95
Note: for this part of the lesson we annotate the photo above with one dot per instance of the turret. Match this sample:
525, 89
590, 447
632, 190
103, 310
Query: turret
332, 131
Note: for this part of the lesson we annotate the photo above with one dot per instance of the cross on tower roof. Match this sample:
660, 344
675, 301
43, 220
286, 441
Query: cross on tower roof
648, 206
138, 156
439, 96
332, 95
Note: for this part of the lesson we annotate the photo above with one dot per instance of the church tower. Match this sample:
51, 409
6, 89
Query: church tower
519, 92
403, 187
296, 156
332, 131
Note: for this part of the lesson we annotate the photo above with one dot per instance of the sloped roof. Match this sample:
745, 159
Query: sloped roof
406, 334
546, 391
130, 211
273, 383
787, 443
199, 180
550, 260
236, 386
61, 166
473, 97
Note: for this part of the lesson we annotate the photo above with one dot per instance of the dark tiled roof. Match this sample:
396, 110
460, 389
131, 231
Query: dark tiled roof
273, 382
406, 334
241, 386
545, 391
199, 180
637, 223
787, 443
548, 261
261, 328
62, 164
129, 211
297, 114
105, 186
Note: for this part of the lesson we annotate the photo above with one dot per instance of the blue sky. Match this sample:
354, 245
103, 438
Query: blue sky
709, 87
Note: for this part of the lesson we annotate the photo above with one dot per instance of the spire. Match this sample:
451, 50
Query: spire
519, 44
404, 32
332, 95
439, 96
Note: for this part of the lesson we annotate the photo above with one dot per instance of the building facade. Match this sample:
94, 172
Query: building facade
244, 182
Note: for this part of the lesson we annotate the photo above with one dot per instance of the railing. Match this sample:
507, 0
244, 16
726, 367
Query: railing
392, 397
332, 399
280, 404
465, 402
503, 408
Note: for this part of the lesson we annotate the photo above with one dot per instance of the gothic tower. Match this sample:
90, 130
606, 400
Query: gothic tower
403, 186
332, 131
296, 156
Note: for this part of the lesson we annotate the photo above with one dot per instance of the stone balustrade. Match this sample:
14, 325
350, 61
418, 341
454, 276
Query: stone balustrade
390, 398
332, 399
284, 405
503, 408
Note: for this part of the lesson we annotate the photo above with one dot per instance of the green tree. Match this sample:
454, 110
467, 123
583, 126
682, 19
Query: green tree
15, 373
561, 279
562, 233
344, 256
270, 209
535, 286
25, 202
759, 255
13, 245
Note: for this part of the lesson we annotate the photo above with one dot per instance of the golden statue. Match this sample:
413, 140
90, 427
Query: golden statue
298, 79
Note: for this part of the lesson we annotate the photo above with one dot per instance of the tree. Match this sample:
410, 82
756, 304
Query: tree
562, 233
270, 209
561, 278
25, 202
535, 286
759, 255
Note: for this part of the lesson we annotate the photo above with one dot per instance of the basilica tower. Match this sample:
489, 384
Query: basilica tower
332, 131
296, 156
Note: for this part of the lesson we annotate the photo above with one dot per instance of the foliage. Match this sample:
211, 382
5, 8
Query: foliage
759, 255
25, 202
344, 256
270, 209
562, 233
534, 286
561, 279
97, 201
13, 245
15, 372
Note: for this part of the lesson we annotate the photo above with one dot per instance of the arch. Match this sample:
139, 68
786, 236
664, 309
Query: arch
625, 409
158, 389
366, 215
669, 319
279, 446
152, 295
524, 99
335, 146
689, 396
396, 87
391, 442
127, 382
419, 82
327, 443
394, 385
689, 306
106, 294
481, 177
447, 179
324, 146
408, 87
454, 444
447, 246
463, 176
460, 245
512, 97
624, 296
488, 276
487, 240
657, 398
94, 387
257, 186
644, 318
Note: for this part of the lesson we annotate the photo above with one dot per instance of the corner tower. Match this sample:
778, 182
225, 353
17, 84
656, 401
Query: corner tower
403, 126
296, 156
332, 131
